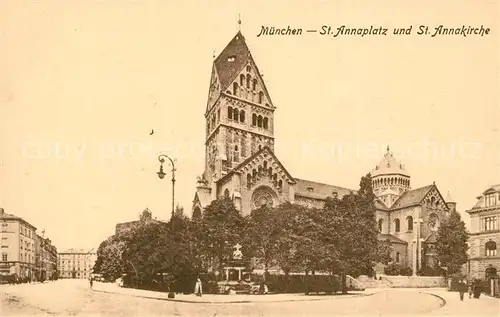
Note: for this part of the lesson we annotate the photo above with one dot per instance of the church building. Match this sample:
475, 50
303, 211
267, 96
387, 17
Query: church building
240, 163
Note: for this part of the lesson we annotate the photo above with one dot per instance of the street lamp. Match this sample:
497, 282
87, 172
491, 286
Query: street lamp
161, 175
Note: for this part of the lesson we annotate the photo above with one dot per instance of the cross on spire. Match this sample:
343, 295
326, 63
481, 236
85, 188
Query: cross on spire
239, 22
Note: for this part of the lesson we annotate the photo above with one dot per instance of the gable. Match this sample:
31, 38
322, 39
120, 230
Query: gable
214, 89
232, 62
263, 160
412, 197
434, 198
249, 85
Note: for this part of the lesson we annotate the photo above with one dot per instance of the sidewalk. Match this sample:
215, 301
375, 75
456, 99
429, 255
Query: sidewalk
484, 306
221, 299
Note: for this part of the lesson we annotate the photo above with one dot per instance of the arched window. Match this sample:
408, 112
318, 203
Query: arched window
254, 119
260, 147
264, 164
249, 80
409, 221
226, 193
235, 114
280, 184
260, 170
242, 80
380, 224
229, 112
261, 96
397, 257
235, 88
270, 172
265, 123
242, 115
259, 121
396, 225
249, 181
491, 248
248, 68
254, 84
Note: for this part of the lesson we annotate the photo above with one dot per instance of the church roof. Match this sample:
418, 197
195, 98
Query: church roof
227, 67
391, 238
231, 61
389, 165
380, 205
412, 197
250, 158
317, 190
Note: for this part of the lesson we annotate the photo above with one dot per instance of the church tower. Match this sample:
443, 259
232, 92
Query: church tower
239, 114
390, 179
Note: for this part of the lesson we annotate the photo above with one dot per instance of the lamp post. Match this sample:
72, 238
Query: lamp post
161, 175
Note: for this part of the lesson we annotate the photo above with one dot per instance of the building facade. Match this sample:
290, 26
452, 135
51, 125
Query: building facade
76, 263
485, 234
17, 246
46, 259
240, 163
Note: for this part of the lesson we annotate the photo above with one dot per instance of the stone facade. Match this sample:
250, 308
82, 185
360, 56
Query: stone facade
484, 233
240, 163
17, 246
76, 263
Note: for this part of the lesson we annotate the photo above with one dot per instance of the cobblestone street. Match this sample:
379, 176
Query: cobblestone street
74, 298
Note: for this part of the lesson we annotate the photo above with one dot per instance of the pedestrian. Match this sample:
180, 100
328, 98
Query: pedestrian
91, 280
198, 287
470, 288
462, 287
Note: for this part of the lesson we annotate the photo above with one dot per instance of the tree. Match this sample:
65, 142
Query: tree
262, 231
221, 225
351, 233
109, 261
451, 244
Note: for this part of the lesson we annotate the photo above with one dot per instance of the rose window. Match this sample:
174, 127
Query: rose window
263, 196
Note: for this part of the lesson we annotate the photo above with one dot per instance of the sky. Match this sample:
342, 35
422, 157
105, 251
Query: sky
82, 85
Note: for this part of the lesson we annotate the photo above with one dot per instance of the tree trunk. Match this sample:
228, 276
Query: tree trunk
306, 283
343, 282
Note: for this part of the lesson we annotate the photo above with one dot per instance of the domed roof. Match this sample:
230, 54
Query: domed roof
389, 165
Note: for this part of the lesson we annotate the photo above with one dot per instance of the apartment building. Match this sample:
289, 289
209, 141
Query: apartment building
76, 263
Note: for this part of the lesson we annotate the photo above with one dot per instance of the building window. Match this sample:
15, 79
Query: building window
490, 223
235, 88
229, 113
380, 223
242, 116
259, 121
249, 68
4, 257
491, 248
236, 114
254, 84
265, 123
254, 119
397, 257
5, 226
242, 80
261, 96
396, 225
490, 200
409, 220
249, 80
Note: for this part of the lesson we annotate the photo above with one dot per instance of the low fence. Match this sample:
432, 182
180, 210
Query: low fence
416, 281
